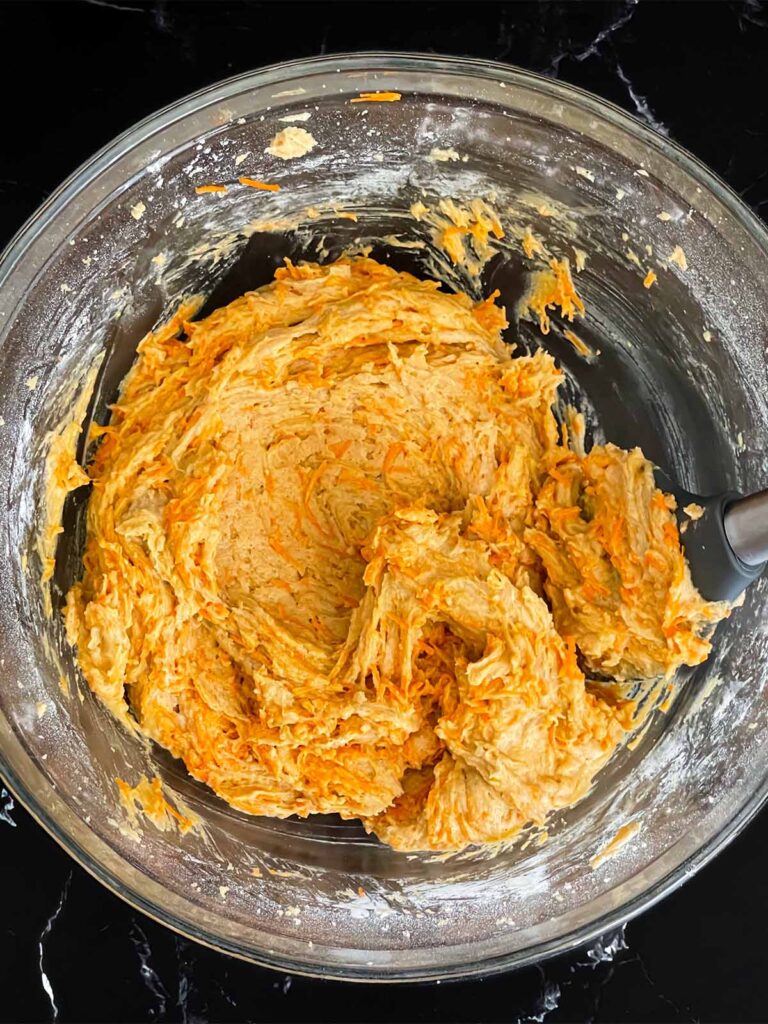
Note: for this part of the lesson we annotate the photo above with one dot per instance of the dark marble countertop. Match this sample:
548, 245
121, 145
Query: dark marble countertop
69, 949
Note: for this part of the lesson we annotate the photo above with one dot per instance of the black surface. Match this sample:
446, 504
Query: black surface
76, 74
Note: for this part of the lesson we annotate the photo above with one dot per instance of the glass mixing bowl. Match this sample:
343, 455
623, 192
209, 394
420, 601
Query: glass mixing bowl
682, 371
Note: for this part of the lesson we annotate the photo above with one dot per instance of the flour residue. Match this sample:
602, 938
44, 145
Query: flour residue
62, 475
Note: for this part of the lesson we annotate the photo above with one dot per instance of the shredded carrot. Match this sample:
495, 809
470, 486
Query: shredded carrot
654, 559
210, 188
358, 480
377, 97
279, 549
649, 279
263, 185
553, 287
396, 449
593, 590
531, 244
340, 448
580, 346
451, 241
659, 500
281, 584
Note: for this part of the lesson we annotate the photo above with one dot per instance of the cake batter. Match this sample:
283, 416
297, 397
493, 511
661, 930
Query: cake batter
341, 558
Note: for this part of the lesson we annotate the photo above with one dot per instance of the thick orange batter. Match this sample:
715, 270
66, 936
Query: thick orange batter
340, 559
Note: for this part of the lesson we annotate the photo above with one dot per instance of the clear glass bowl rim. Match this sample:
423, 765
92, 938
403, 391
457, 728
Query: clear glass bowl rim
381, 61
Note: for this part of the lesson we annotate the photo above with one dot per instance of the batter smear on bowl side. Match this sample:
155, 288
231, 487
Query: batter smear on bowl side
341, 558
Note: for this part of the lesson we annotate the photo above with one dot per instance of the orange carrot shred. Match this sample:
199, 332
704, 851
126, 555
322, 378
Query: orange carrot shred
377, 97
340, 448
395, 449
265, 186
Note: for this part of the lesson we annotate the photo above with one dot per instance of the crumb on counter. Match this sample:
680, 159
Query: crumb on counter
138, 210
649, 279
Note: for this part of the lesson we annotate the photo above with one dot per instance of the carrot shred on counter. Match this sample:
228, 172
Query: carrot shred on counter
377, 97
265, 186
201, 189
649, 279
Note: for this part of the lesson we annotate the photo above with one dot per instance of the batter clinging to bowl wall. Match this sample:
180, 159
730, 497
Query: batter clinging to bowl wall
342, 558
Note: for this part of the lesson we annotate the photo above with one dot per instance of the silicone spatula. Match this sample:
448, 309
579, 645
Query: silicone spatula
727, 546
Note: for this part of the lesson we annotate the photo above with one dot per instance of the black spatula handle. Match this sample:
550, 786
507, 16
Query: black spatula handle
746, 527
717, 570
727, 545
